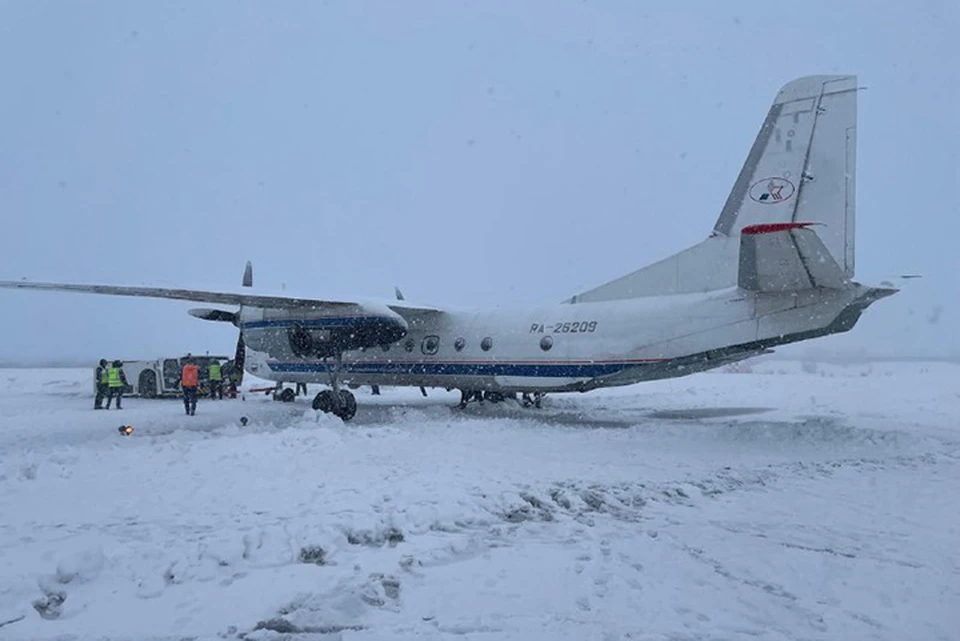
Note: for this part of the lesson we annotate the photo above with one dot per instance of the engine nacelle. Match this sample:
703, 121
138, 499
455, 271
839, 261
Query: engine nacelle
323, 332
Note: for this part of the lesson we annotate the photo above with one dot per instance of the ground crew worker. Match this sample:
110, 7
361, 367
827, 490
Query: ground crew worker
116, 380
303, 386
232, 379
216, 380
101, 380
189, 379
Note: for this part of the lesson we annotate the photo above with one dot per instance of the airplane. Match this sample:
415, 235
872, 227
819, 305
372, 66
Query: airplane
777, 268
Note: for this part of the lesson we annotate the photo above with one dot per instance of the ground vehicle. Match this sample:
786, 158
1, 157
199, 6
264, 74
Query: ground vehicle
161, 377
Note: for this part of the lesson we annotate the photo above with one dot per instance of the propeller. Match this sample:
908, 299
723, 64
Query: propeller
219, 315
240, 356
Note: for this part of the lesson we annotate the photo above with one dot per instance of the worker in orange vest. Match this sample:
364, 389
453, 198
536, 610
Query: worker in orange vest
189, 379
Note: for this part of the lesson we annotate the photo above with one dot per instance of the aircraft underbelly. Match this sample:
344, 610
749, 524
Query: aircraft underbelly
533, 383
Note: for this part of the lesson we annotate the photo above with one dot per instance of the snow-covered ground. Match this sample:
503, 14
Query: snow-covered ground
798, 501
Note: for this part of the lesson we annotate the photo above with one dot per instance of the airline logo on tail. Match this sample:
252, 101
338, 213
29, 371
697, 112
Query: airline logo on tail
771, 191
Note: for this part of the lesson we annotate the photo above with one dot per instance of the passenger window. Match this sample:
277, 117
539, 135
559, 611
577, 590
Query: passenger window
459, 344
430, 345
486, 344
408, 345
546, 343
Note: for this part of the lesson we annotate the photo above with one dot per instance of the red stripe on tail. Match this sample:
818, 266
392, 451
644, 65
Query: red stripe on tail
769, 228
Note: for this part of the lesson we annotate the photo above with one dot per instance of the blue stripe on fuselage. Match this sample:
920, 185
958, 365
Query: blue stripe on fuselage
533, 370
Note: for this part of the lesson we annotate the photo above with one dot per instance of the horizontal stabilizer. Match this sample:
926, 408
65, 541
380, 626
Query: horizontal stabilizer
784, 257
899, 281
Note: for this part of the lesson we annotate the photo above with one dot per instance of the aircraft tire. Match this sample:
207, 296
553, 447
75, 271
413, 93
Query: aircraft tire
287, 395
494, 397
323, 401
348, 405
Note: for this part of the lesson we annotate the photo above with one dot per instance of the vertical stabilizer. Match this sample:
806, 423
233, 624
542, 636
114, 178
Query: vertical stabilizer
801, 168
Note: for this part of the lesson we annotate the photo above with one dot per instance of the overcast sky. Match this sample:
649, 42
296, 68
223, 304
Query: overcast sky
473, 153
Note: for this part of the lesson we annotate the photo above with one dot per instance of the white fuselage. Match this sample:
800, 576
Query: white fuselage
564, 347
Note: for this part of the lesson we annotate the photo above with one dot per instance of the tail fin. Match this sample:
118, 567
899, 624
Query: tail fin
802, 167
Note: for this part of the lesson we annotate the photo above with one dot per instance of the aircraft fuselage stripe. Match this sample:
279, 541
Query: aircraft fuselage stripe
533, 370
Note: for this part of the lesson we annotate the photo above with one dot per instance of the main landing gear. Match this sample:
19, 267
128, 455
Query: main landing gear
535, 401
526, 399
336, 401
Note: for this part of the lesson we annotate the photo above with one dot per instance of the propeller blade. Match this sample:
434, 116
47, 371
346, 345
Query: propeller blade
240, 357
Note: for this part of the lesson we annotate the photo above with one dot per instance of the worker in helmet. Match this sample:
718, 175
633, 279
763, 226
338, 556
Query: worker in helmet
189, 380
101, 381
116, 381
215, 374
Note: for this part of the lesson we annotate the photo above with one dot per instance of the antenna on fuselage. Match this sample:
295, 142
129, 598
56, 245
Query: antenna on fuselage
248, 275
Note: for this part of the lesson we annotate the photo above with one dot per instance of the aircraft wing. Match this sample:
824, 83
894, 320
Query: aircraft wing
276, 301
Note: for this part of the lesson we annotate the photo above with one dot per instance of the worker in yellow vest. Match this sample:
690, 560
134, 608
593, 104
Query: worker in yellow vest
216, 380
101, 380
116, 381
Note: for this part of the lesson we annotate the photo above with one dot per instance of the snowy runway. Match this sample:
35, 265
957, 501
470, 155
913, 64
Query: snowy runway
780, 504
